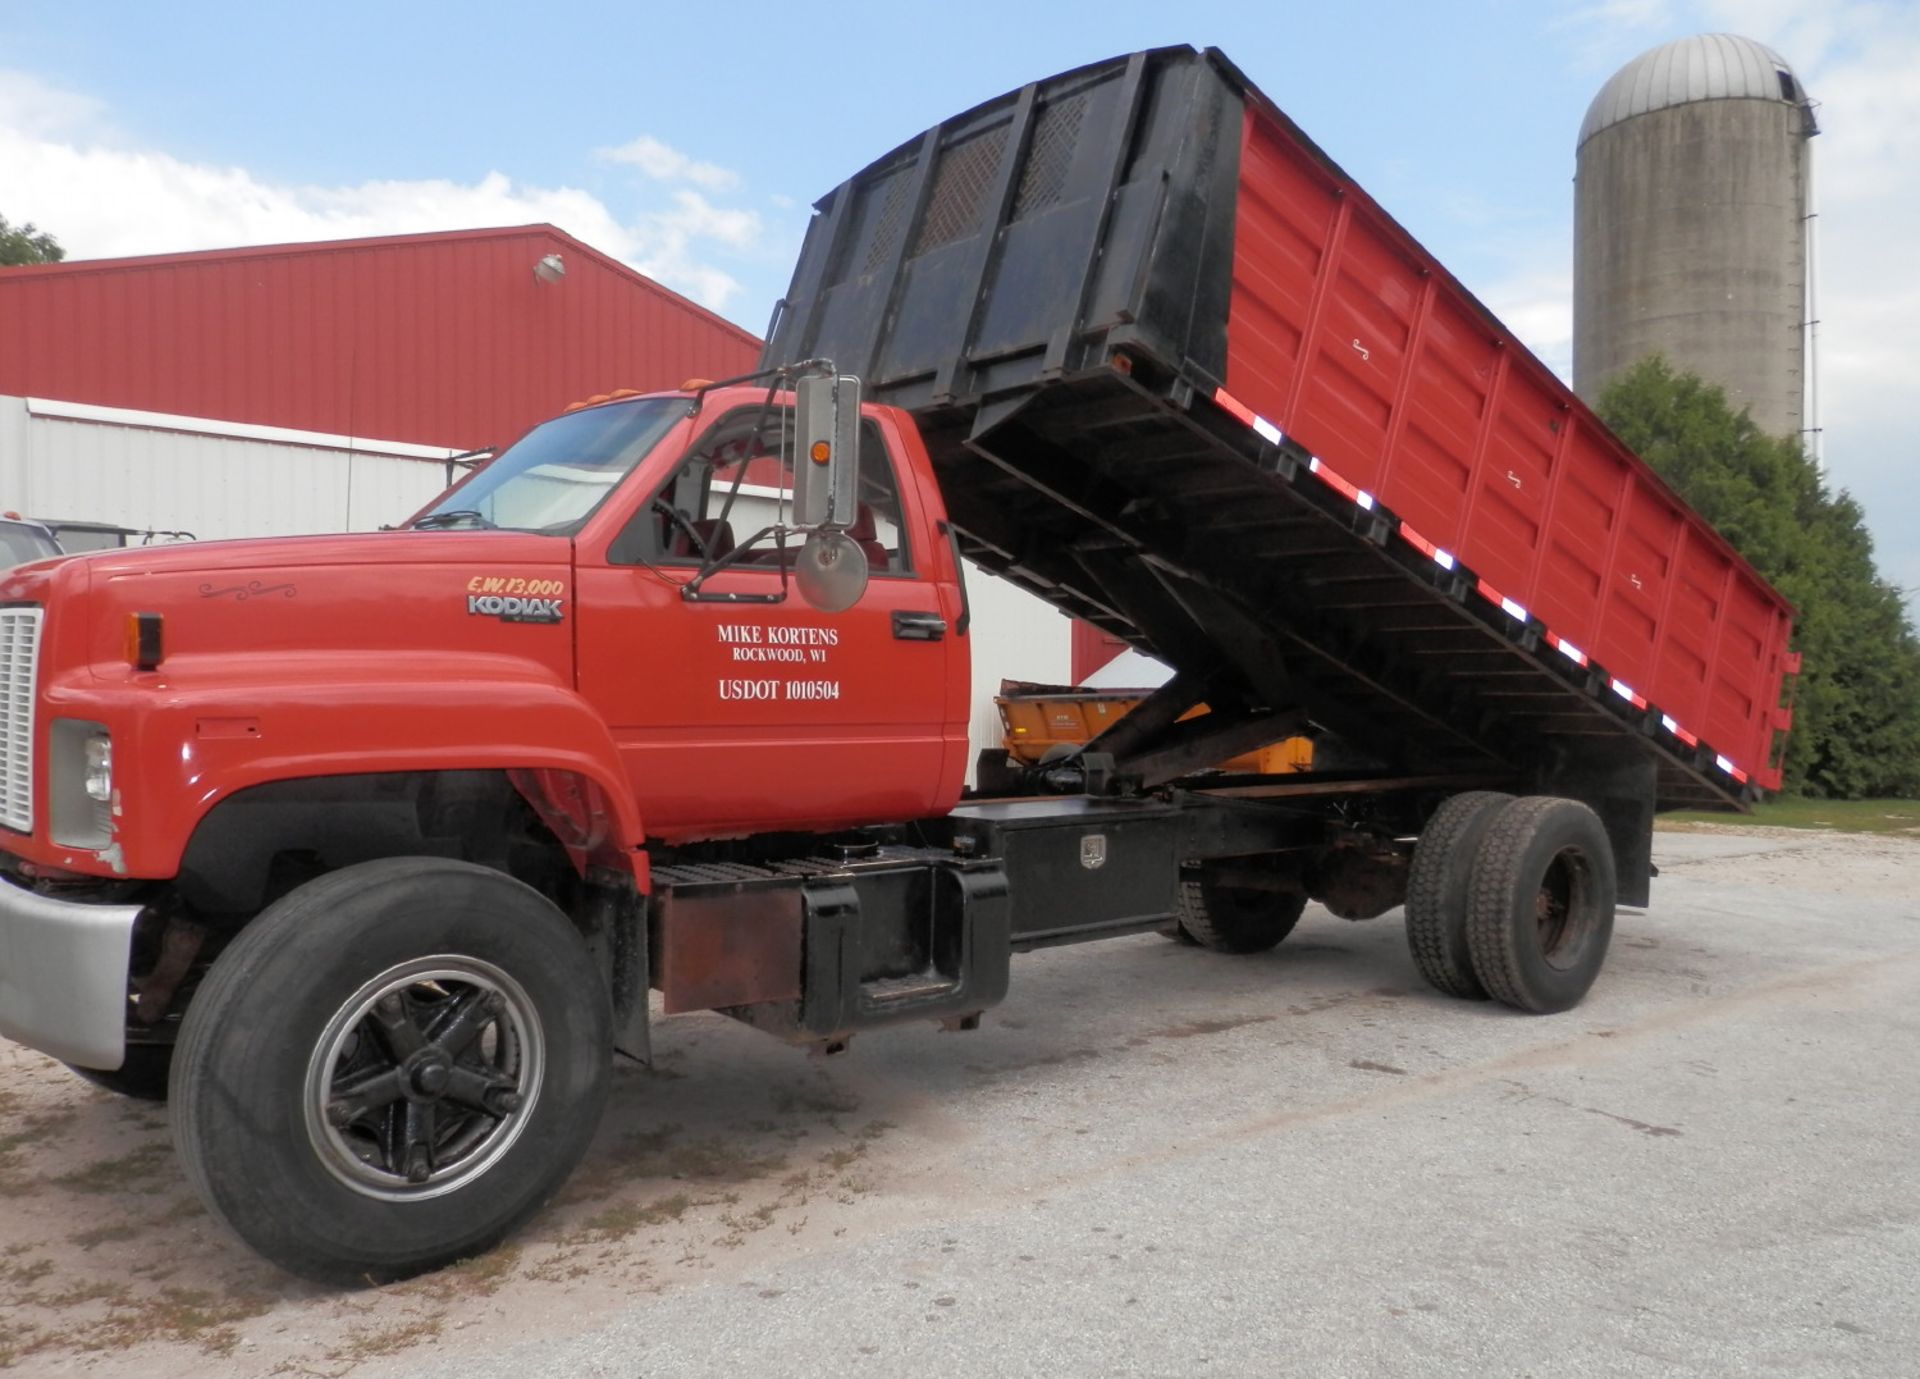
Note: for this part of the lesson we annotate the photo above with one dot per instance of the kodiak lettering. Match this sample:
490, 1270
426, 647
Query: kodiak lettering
514, 609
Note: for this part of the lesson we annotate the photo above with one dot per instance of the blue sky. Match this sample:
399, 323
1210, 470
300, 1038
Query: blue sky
690, 139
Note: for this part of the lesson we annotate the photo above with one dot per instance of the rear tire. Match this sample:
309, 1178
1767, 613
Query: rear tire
1235, 919
1437, 892
1540, 905
391, 1068
143, 1076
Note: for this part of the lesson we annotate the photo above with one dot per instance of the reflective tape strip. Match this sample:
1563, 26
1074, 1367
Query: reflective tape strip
1625, 691
1339, 485
1234, 406
1567, 649
1508, 606
1678, 731
1439, 555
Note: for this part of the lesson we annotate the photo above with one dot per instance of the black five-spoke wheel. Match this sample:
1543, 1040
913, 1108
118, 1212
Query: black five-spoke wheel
424, 1077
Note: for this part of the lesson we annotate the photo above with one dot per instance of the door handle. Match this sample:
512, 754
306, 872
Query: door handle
918, 627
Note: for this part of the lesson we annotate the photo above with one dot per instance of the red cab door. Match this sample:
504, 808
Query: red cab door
745, 709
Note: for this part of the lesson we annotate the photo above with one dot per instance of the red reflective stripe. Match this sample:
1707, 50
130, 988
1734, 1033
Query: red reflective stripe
1566, 648
1489, 593
1233, 405
1419, 542
1333, 480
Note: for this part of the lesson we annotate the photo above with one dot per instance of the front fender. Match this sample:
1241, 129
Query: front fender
203, 733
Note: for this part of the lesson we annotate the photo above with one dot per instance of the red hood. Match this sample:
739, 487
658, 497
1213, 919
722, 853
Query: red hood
254, 604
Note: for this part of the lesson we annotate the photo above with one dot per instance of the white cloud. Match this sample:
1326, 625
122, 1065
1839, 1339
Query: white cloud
102, 197
30, 106
1537, 306
664, 163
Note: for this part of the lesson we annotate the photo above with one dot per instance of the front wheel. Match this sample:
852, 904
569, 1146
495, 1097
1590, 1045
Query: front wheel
391, 1068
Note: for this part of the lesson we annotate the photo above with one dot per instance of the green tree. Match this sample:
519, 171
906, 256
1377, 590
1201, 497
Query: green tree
1856, 731
27, 244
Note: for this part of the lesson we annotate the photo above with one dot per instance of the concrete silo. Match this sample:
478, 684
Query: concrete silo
1691, 204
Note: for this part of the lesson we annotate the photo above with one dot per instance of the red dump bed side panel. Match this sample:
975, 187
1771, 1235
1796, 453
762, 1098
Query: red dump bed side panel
1348, 337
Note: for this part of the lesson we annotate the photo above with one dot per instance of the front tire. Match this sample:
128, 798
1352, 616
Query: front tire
1540, 904
391, 1068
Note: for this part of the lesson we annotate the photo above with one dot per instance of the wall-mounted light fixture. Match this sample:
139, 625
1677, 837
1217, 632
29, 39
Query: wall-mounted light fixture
550, 269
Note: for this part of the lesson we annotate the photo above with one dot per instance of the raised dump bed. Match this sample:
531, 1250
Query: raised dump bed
1180, 375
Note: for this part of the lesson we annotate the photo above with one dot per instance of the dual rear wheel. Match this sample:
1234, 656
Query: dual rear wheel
1513, 899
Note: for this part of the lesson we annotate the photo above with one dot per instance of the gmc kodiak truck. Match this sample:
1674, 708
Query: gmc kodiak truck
367, 851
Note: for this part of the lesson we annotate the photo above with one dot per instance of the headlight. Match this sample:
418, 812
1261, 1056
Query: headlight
80, 784
99, 768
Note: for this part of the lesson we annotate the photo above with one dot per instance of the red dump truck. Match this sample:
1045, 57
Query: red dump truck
367, 851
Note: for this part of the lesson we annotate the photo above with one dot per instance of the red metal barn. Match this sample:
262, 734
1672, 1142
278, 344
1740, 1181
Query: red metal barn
447, 339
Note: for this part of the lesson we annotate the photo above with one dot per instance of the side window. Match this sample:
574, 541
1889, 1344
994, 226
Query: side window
878, 525
737, 483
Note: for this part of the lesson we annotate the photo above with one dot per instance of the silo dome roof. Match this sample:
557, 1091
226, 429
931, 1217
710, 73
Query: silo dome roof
1704, 67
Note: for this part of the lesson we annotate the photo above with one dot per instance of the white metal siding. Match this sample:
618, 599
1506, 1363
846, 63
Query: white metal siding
1016, 636
19, 659
213, 486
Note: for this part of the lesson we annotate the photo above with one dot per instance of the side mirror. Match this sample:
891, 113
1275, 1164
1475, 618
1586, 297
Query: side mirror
826, 471
831, 571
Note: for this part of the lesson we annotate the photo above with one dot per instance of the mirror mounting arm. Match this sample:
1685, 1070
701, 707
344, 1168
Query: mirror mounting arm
694, 592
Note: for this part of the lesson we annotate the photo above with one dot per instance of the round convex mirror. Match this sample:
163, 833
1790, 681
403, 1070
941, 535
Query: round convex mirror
831, 571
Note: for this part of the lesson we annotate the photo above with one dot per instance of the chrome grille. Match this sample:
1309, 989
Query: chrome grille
19, 657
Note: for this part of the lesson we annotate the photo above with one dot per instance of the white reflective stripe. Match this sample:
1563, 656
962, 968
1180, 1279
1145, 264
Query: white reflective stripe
1513, 609
1570, 651
1623, 689
1313, 464
1669, 725
1267, 430
1365, 500
1445, 559
1723, 764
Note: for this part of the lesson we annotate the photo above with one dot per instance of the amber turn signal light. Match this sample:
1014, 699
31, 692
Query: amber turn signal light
820, 452
144, 651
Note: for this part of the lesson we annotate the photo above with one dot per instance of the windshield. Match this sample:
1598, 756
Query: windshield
559, 472
20, 543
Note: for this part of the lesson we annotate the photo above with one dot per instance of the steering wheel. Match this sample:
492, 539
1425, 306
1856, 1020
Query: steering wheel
677, 518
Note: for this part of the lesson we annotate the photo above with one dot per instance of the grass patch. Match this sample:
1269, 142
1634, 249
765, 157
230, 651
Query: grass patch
108, 1234
624, 1218
34, 1129
132, 1172
1837, 816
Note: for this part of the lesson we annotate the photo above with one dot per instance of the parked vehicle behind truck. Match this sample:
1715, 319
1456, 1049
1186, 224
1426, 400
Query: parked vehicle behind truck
366, 851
